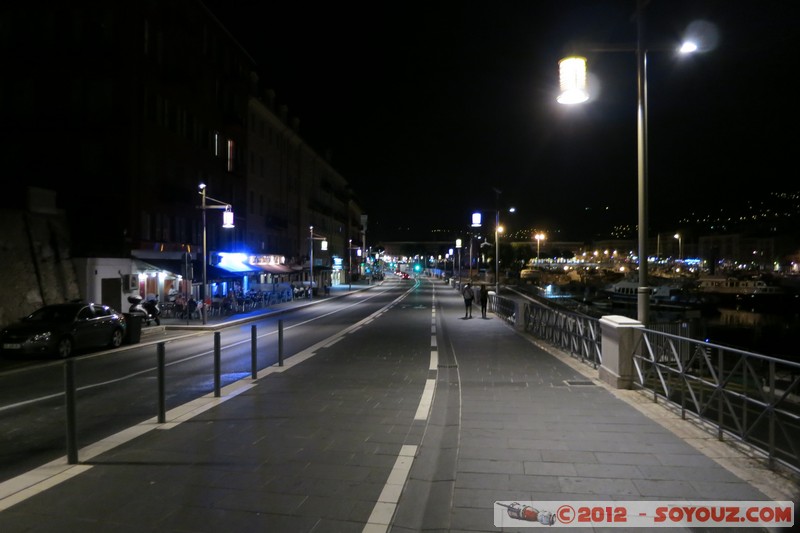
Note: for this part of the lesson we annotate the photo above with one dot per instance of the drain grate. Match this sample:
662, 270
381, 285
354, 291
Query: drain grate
578, 383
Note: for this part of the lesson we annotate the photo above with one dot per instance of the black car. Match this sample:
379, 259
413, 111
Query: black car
62, 329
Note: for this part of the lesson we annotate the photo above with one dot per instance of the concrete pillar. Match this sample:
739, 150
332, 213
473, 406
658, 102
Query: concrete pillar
519, 315
620, 335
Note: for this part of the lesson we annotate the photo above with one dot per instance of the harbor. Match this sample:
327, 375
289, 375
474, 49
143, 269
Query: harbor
762, 316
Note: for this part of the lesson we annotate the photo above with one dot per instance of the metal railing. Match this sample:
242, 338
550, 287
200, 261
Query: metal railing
576, 334
750, 398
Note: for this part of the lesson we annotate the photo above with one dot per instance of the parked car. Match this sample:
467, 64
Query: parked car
62, 329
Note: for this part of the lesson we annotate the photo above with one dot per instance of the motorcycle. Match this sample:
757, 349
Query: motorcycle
148, 310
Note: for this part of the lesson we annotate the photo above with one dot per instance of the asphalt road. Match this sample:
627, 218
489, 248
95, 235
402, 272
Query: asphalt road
116, 389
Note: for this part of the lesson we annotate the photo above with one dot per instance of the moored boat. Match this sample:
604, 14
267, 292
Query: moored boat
748, 293
675, 296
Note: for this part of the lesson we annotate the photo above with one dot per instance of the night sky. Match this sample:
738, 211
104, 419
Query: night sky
428, 107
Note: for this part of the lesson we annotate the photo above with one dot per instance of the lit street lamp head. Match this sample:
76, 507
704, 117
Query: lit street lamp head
572, 80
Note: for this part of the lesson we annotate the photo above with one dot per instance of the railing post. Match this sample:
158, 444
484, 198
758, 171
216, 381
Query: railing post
162, 403
253, 353
771, 445
280, 342
720, 393
618, 342
217, 365
70, 407
519, 314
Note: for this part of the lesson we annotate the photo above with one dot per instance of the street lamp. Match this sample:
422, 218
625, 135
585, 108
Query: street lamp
227, 222
573, 84
497, 231
452, 260
476, 222
311, 238
680, 246
458, 254
539, 237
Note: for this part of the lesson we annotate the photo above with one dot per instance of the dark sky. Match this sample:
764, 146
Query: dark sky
427, 107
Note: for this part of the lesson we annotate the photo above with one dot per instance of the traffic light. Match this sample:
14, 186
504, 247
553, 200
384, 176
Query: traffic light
417, 267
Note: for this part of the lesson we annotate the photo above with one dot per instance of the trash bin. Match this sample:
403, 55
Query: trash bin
133, 331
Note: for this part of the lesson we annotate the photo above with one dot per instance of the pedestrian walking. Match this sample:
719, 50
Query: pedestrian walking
191, 307
484, 299
468, 297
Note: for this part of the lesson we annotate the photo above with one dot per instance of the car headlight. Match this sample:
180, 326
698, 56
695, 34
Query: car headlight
42, 337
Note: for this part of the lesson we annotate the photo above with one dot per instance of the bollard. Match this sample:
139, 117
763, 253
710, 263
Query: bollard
280, 342
253, 356
69, 394
162, 401
217, 365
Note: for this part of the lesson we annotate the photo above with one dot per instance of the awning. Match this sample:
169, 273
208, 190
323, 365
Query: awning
175, 267
143, 267
274, 268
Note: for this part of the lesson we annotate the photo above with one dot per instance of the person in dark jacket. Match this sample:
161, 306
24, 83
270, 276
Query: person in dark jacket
484, 299
468, 295
191, 307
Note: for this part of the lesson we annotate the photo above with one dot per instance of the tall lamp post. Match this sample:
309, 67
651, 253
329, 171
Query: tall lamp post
539, 238
476, 222
680, 246
452, 260
311, 238
497, 230
227, 222
458, 256
572, 78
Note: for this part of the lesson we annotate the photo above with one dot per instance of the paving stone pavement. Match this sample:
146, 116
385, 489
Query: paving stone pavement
325, 445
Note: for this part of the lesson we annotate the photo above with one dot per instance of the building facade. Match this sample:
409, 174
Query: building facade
123, 109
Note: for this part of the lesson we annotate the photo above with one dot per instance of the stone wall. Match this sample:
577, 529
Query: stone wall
36, 268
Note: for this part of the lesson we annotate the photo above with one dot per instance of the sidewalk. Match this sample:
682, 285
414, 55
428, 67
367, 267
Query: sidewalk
325, 445
216, 321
